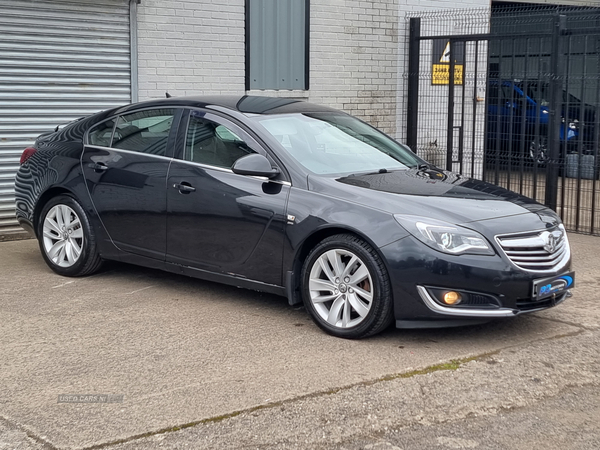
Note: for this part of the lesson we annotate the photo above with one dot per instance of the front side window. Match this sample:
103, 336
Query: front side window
277, 44
214, 144
144, 131
327, 143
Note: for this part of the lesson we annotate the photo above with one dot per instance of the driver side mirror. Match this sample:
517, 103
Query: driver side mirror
255, 165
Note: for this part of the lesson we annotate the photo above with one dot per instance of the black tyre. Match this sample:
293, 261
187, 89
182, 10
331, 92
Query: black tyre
66, 238
346, 288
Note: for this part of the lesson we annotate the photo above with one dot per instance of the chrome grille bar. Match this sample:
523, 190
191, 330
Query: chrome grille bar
537, 251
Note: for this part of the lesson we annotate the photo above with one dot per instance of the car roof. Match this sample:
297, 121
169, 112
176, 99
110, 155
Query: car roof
245, 104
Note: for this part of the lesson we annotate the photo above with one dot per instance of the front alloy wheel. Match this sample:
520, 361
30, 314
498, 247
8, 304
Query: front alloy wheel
341, 288
346, 289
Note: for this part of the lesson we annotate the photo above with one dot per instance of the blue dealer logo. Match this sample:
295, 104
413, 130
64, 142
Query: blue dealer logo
568, 279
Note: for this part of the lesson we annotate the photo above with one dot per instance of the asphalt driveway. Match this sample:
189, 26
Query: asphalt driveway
176, 352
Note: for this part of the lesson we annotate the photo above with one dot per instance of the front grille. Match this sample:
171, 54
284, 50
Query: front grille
537, 251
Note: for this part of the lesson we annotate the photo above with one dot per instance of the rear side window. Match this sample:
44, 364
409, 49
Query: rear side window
144, 131
101, 134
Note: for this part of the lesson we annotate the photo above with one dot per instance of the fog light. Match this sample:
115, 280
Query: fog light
452, 298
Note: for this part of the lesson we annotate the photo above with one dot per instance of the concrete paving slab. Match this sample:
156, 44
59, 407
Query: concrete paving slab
181, 350
504, 401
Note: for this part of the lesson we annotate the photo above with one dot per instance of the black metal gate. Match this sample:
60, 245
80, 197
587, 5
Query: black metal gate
512, 97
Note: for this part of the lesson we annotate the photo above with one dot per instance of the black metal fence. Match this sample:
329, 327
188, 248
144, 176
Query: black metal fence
512, 96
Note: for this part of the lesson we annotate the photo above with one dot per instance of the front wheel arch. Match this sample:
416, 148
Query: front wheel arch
310, 242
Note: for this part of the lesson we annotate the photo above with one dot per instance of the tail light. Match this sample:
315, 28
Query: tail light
27, 153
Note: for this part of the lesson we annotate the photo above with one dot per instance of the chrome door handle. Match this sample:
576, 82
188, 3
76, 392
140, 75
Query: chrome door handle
98, 167
184, 188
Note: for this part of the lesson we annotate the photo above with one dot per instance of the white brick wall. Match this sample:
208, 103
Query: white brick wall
190, 48
357, 52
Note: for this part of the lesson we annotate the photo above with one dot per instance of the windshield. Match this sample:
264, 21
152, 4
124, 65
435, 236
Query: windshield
329, 143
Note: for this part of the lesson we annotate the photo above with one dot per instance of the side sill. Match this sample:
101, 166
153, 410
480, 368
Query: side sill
230, 280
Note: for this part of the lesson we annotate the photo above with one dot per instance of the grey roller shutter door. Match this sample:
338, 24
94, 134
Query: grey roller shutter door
59, 61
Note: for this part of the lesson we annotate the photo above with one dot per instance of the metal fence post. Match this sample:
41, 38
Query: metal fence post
450, 126
414, 56
556, 86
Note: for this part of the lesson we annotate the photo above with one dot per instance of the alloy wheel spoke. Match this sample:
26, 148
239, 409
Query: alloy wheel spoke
358, 305
48, 233
316, 284
349, 266
77, 233
75, 222
58, 217
361, 273
346, 314
325, 298
361, 293
69, 252
335, 311
51, 223
76, 249
336, 262
55, 249
326, 269
66, 215
60, 258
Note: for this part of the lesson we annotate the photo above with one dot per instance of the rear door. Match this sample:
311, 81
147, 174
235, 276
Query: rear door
125, 164
217, 220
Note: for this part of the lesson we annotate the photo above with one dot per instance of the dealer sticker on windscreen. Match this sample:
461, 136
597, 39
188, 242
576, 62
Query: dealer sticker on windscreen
555, 285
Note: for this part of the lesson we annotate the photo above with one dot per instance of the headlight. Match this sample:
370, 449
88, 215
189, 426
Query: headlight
445, 237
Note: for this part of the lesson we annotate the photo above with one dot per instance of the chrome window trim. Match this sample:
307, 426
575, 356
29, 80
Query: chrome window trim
224, 169
133, 152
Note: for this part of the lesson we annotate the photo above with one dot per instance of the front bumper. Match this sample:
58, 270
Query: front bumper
416, 269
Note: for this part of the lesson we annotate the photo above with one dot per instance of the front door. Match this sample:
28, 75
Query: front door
217, 220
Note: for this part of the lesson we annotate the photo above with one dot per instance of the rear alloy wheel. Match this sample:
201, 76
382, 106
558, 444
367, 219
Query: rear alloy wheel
66, 240
346, 288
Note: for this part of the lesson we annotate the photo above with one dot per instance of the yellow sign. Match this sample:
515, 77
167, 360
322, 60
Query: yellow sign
440, 74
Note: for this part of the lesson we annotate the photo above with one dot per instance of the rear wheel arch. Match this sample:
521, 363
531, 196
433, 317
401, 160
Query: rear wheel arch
43, 200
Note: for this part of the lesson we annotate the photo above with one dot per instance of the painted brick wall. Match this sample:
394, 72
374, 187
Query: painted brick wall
190, 48
357, 52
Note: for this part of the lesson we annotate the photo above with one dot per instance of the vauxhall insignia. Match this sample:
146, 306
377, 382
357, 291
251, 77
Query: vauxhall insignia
550, 245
